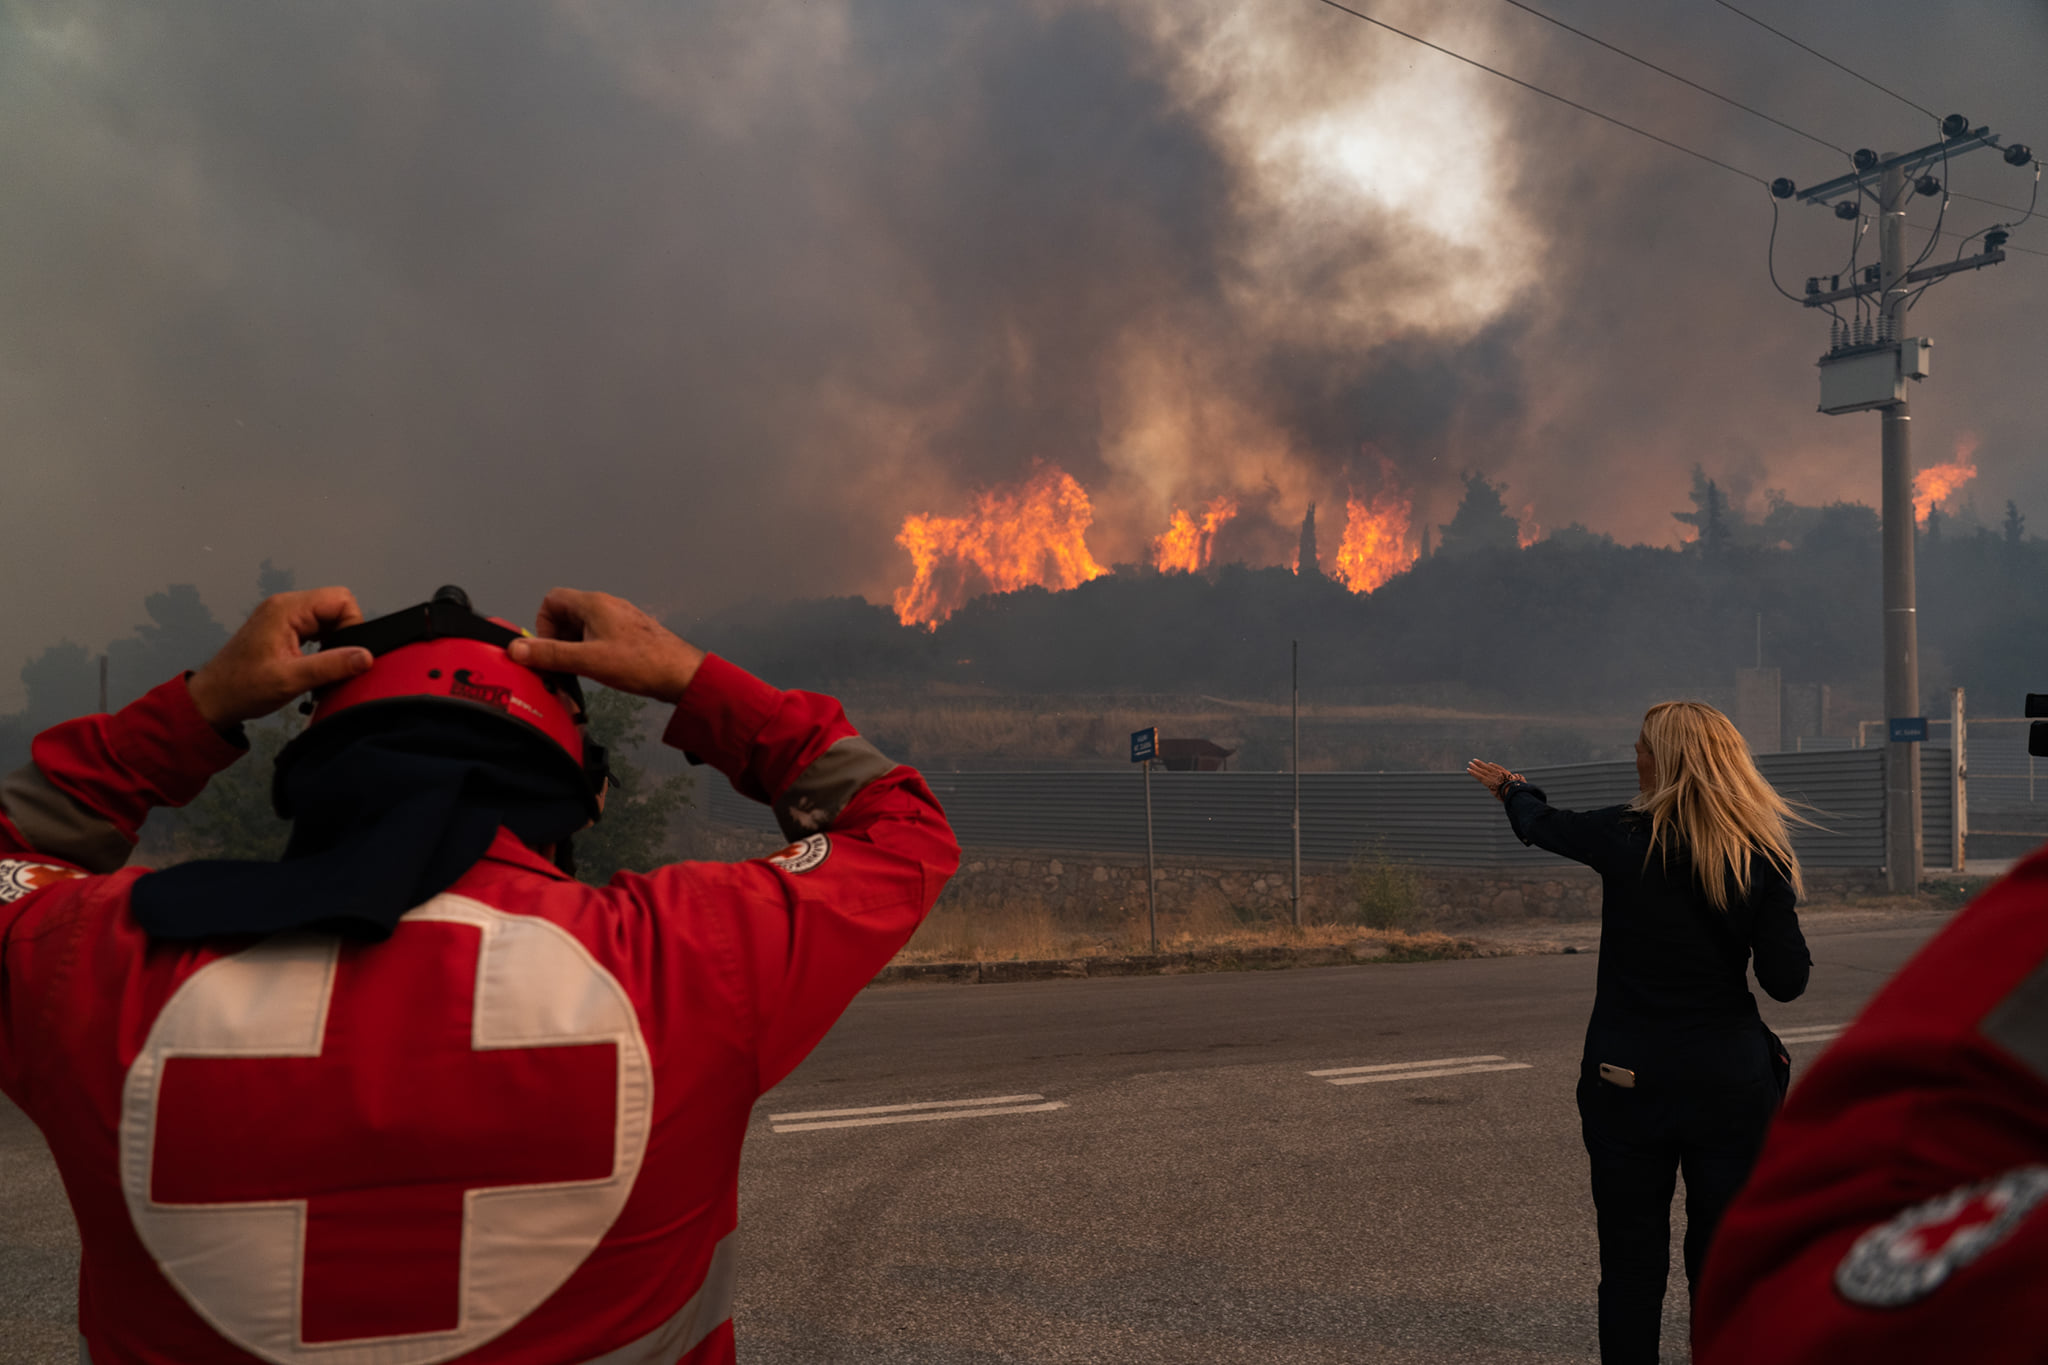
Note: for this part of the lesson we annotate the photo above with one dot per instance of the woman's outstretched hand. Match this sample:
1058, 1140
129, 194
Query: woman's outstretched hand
1492, 776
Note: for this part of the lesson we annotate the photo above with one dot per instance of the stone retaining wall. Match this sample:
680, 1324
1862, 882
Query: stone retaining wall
1101, 888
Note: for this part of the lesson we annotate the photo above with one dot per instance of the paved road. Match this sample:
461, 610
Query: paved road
1196, 1194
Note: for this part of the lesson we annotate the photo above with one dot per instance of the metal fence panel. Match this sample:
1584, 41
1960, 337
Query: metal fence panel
1435, 819
1937, 807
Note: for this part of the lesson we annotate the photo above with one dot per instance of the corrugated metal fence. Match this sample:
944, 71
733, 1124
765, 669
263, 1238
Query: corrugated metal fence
1436, 819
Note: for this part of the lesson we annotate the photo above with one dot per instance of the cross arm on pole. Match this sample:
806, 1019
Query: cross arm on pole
1858, 182
1932, 272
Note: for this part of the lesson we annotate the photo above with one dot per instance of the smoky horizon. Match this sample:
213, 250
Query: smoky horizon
725, 306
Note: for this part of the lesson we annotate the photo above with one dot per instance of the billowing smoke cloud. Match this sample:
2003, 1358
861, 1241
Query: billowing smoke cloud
699, 302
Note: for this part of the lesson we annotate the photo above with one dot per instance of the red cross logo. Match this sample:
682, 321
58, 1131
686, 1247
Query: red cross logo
1934, 1238
393, 1123
1904, 1260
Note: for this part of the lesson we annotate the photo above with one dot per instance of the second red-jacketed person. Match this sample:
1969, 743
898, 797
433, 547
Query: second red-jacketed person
414, 1094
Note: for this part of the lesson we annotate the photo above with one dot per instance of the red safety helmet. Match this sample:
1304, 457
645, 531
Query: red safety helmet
443, 652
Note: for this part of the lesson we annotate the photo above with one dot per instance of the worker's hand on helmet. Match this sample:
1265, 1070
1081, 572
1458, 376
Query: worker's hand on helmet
608, 640
262, 668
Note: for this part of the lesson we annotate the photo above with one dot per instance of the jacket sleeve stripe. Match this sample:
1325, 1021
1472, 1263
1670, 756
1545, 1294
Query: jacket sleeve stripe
825, 788
2020, 1023
53, 823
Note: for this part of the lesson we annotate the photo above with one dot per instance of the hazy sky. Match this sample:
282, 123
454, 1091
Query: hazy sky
696, 303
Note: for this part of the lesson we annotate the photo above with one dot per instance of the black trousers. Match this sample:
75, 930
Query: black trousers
1639, 1139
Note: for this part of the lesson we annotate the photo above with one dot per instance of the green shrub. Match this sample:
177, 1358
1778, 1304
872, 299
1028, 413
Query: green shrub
1383, 894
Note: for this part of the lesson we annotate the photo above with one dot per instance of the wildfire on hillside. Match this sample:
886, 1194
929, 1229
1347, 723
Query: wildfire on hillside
1187, 545
1375, 547
1034, 533
1935, 484
1529, 532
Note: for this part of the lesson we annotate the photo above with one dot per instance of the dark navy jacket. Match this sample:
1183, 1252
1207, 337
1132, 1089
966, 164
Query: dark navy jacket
1673, 999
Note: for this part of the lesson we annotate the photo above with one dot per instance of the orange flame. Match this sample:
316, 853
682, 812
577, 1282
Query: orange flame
1936, 483
1031, 534
1188, 546
1375, 547
1530, 532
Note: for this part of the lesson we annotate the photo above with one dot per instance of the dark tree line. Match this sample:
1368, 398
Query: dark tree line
233, 817
1575, 622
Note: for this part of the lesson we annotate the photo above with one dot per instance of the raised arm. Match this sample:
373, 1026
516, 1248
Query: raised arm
808, 927
1535, 821
91, 782
870, 853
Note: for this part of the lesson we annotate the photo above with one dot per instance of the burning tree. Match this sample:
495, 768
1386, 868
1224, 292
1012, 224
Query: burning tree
1189, 546
1375, 546
1032, 534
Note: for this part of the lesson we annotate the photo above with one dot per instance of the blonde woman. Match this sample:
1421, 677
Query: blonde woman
1698, 881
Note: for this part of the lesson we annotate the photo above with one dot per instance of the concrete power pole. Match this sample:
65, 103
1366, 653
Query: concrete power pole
1905, 854
1867, 367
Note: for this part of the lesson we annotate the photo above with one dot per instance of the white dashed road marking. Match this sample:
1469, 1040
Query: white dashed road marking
1415, 1071
1810, 1033
925, 1111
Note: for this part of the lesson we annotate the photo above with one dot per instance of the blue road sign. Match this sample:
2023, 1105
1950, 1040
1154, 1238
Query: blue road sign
1144, 744
1909, 729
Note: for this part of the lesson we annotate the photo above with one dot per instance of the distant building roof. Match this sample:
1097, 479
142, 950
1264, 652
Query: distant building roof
1193, 755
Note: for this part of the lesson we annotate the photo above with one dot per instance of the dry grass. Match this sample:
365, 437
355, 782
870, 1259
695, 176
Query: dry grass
978, 934
1086, 731
1049, 734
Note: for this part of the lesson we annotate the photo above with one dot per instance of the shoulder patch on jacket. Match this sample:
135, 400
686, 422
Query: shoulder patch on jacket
1905, 1260
804, 855
19, 876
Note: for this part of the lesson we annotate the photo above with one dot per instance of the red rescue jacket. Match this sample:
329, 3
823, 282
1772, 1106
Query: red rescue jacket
510, 1133
1899, 1211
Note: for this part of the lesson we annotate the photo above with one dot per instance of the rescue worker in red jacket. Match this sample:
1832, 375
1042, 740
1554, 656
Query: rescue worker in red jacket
1899, 1212
413, 1094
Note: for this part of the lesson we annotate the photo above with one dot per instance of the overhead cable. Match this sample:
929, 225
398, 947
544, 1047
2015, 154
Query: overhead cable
1996, 204
1666, 71
1547, 94
2023, 250
1829, 60
1771, 264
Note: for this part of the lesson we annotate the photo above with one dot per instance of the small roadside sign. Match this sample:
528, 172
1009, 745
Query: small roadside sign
1144, 744
1909, 729
1145, 748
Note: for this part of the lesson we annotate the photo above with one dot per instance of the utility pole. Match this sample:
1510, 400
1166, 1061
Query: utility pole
1905, 852
1867, 367
1959, 777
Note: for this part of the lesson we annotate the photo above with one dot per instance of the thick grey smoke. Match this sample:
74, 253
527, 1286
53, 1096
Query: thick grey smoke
697, 303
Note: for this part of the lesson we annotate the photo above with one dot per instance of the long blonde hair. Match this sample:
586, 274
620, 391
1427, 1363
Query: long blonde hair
1710, 800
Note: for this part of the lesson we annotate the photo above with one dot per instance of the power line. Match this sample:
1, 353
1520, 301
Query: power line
1547, 94
1666, 71
1829, 60
1643, 132
2024, 250
1976, 199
